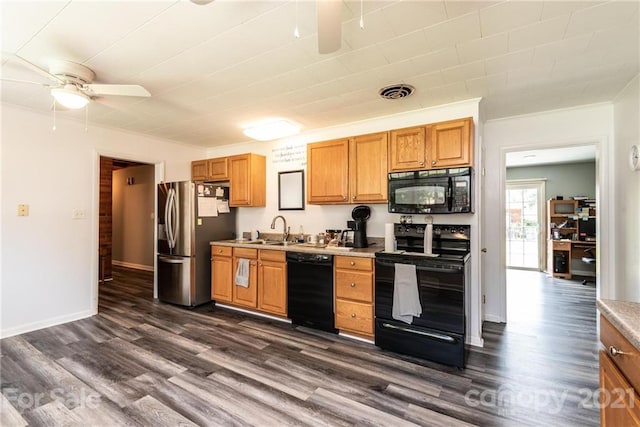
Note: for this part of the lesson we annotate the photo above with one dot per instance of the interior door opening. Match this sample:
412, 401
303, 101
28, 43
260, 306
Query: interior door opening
525, 224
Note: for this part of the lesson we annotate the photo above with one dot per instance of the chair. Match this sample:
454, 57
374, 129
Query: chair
588, 259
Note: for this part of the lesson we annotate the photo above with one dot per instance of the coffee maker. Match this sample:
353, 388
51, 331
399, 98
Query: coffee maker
360, 215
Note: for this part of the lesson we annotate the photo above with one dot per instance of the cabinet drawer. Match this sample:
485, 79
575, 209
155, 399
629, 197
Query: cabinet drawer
354, 285
628, 363
221, 250
562, 246
245, 253
277, 256
354, 316
354, 263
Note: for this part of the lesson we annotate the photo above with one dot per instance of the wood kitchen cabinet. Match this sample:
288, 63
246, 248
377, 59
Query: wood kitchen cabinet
246, 297
218, 169
247, 180
221, 274
351, 170
619, 378
328, 172
438, 145
272, 282
450, 143
353, 279
199, 170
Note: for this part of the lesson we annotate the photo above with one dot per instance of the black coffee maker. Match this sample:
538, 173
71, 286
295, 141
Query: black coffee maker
360, 215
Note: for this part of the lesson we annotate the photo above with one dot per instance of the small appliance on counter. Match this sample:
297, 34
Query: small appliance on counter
360, 215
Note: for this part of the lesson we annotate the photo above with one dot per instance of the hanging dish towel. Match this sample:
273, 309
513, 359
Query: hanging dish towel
242, 273
406, 300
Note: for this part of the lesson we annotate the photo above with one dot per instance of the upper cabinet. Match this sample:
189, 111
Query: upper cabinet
247, 180
328, 172
439, 145
451, 143
246, 174
352, 170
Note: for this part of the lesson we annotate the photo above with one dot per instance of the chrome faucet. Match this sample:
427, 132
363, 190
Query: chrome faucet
285, 229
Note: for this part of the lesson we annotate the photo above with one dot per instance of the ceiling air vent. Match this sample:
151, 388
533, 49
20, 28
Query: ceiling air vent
396, 91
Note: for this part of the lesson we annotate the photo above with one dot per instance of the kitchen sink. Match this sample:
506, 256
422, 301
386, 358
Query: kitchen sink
272, 243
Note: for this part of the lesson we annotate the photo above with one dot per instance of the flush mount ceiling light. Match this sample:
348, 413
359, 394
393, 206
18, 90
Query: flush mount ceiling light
69, 96
396, 91
201, 1
268, 130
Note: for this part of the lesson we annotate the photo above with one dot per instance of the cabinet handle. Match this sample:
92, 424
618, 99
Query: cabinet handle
219, 251
615, 352
353, 315
352, 263
433, 162
344, 198
260, 264
421, 163
354, 197
353, 285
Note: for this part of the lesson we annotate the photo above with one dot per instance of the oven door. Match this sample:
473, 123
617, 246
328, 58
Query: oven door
441, 287
412, 194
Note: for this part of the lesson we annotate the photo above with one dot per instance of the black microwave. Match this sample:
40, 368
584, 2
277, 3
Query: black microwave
440, 191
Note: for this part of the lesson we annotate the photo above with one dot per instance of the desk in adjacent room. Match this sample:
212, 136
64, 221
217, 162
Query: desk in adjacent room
561, 252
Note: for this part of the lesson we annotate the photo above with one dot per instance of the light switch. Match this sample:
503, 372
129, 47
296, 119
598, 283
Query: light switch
23, 210
199, 221
78, 214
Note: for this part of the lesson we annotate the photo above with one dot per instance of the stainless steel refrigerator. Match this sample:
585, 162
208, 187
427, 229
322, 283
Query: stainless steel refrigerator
188, 219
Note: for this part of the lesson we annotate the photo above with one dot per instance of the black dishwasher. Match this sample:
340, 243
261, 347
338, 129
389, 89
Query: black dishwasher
310, 290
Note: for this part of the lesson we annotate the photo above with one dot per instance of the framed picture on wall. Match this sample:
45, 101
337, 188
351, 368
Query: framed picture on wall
291, 190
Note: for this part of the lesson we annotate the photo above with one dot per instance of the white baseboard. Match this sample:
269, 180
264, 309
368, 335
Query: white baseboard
132, 265
493, 318
47, 323
475, 341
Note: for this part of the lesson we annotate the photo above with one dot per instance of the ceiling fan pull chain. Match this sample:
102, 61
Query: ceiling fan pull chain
86, 118
362, 14
54, 116
296, 32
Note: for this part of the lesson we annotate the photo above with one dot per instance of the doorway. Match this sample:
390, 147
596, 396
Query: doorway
126, 209
525, 219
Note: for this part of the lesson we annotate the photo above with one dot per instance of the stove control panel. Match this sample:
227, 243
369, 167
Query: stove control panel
442, 231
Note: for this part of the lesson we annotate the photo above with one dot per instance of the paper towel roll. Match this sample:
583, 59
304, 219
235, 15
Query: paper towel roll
389, 237
428, 239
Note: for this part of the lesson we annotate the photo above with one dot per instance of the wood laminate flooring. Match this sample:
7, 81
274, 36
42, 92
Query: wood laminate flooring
140, 362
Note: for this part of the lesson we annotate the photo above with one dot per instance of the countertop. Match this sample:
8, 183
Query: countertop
355, 252
625, 316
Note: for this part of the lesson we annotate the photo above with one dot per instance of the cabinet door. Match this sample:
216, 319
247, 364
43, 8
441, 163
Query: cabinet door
199, 170
620, 405
408, 149
222, 278
327, 165
247, 297
247, 180
218, 169
451, 143
272, 289
368, 168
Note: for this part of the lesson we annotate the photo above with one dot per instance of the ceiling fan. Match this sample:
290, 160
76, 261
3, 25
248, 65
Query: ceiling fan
72, 84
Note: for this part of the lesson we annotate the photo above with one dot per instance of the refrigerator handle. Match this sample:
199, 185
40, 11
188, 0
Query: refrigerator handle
175, 229
168, 211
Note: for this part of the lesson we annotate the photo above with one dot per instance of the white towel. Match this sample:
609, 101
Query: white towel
242, 273
406, 300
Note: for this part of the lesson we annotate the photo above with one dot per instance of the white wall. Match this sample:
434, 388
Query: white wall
49, 261
578, 126
316, 218
626, 214
134, 217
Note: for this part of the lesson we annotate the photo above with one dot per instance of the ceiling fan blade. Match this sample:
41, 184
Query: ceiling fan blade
4, 79
33, 67
329, 25
118, 90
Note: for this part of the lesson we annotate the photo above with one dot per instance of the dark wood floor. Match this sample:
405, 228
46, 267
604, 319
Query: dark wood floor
141, 362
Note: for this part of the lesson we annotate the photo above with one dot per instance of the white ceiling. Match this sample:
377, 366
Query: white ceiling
211, 69
551, 156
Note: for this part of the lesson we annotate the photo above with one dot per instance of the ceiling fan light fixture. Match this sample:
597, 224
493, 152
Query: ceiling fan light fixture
268, 130
70, 97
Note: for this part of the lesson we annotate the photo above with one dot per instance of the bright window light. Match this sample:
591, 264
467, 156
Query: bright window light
268, 130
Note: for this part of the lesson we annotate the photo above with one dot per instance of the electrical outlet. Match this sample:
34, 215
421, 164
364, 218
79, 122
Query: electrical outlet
78, 214
23, 210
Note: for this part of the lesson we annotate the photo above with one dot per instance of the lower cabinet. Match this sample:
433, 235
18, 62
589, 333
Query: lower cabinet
246, 296
221, 273
272, 282
619, 378
267, 290
353, 278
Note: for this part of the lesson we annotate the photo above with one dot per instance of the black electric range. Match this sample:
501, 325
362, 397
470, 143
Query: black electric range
438, 333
